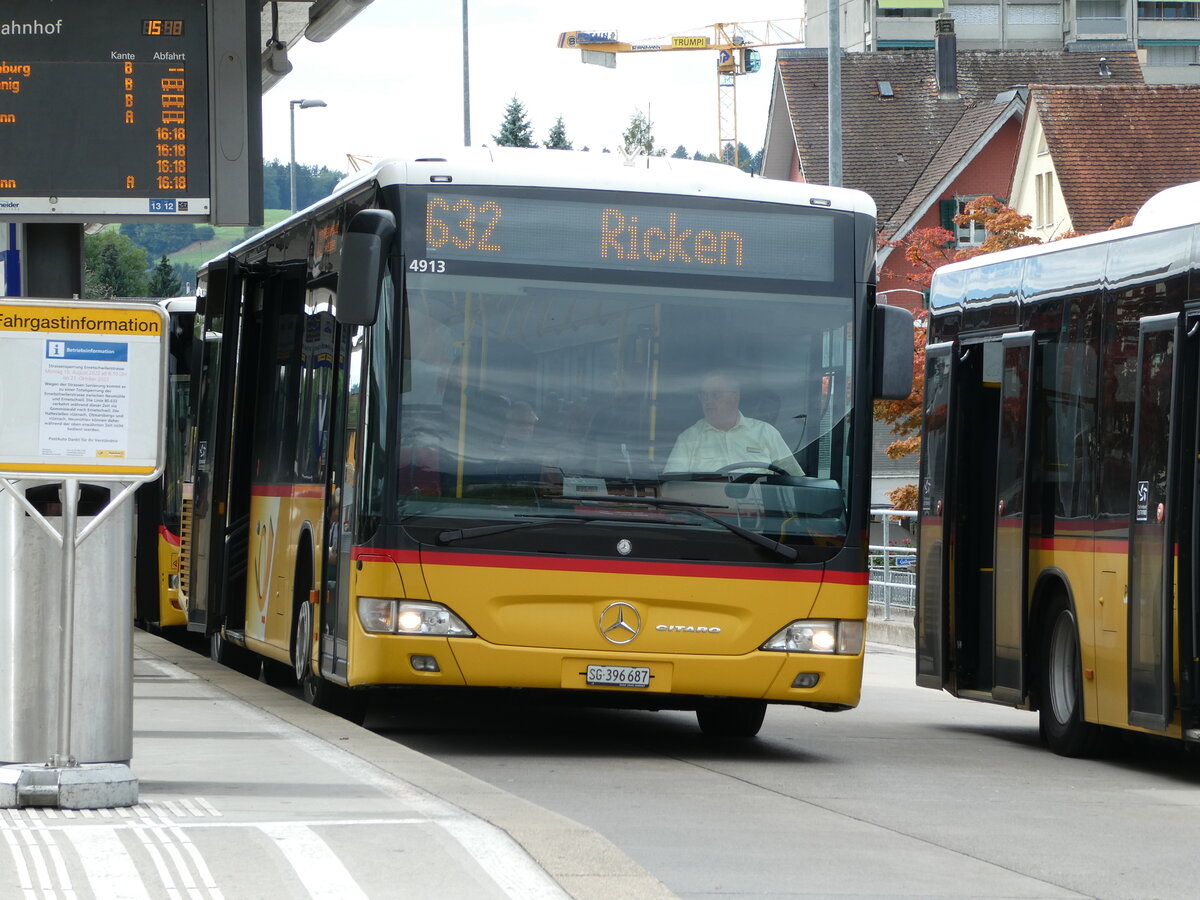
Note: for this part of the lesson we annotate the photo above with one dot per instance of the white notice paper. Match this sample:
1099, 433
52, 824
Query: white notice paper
85, 399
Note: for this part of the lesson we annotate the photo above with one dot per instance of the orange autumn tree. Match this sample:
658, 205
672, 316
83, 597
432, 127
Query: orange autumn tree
927, 250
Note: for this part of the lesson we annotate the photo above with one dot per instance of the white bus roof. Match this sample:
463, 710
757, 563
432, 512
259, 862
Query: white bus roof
539, 167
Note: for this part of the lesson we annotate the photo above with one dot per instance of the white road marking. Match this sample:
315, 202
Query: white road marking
197, 858
18, 856
160, 865
508, 864
34, 853
109, 867
56, 859
320, 871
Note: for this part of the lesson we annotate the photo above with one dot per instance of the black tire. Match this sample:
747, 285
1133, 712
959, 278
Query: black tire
302, 642
1060, 686
341, 701
232, 656
731, 718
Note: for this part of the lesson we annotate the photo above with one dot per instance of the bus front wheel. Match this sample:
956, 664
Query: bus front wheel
1060, 686
731, 718
323, 694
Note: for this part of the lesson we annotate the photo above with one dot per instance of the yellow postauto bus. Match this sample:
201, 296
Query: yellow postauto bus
435, 416
1058, 532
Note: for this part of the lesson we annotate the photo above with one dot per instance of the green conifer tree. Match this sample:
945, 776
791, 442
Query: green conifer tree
163, 280
515, 128
557, 140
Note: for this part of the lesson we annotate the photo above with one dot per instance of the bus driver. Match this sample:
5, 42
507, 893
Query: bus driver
724, 437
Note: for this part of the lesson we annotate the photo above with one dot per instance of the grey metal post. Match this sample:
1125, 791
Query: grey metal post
70, 502
835, 94
887, 569
292, 104
292, 167
466, 80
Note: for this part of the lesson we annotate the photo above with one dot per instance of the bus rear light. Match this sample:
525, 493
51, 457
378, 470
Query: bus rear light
383, 616
819, 636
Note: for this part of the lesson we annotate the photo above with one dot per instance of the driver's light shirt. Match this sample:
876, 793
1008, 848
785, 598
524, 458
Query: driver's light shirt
703, 448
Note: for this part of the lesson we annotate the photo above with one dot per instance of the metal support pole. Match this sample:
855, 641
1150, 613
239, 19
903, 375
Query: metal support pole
70, 501
466, 80
887, 569
292, 167
835, 94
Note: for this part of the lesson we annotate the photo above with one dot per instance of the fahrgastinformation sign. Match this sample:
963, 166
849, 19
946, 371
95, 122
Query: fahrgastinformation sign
104, 109
82, 389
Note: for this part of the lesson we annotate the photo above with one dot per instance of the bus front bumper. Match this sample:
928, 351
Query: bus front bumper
822, 680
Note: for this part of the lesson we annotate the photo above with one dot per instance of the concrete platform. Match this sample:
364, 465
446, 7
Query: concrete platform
247, 792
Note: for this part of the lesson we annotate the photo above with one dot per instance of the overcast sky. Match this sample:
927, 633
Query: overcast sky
392, 78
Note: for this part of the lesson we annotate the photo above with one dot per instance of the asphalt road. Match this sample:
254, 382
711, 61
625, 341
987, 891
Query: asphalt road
912, 794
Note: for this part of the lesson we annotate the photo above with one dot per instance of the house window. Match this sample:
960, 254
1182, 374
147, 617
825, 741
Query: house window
1044, 212
1100, 9
971, 234
985, 14
1164, 11
1170, 54
1035, 14
907, 13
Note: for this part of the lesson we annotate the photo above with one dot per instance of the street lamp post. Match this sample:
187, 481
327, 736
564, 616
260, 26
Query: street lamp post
292, 104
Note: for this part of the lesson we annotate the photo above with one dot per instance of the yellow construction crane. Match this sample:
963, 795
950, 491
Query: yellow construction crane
737, 54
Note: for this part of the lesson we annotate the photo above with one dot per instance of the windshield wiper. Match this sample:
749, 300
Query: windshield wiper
701, 509
451, 535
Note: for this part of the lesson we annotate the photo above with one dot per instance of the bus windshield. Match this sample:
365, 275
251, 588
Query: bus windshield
523, 397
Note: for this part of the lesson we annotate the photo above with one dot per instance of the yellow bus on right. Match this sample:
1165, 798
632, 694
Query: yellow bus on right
1059, 514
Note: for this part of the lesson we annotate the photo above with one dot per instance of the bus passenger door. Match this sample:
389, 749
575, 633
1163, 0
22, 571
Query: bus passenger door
936, 516
1011, 560
1151, 535
334, 617
213, 402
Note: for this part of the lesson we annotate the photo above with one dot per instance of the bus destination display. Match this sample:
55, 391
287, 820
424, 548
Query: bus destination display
104, 109
795, 244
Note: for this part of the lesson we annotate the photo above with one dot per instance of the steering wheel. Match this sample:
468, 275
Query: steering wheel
733, 467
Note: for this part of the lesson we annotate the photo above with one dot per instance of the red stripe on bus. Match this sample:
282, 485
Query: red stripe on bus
616, 566
287, 490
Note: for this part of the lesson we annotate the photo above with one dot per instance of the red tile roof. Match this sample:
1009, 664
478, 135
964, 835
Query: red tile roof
1116, 146
893, 147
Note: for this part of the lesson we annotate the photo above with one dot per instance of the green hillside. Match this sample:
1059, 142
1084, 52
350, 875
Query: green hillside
224, 237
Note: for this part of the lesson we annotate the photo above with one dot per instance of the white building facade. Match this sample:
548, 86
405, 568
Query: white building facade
1165, 34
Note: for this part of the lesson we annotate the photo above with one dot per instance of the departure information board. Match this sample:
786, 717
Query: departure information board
104, 109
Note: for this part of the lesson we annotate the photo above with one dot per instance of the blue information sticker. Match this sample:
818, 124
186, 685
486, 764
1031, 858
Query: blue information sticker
104, 351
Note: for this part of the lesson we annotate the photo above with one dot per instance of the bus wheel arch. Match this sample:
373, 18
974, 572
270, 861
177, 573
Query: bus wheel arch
1058, 671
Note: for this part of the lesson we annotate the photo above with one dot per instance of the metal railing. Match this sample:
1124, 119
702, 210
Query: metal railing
892, 569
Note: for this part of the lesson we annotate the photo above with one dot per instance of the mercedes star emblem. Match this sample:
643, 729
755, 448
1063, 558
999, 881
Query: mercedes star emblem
620, 623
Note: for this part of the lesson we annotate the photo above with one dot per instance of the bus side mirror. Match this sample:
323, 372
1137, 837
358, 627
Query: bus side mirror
894, 348
365, 251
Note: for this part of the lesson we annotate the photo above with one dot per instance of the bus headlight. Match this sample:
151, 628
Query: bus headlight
381, 616
843, 637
